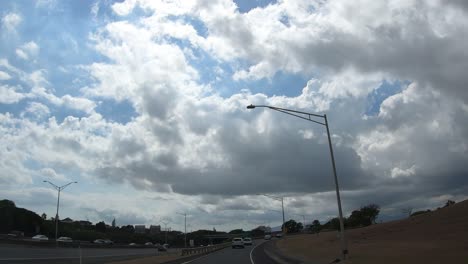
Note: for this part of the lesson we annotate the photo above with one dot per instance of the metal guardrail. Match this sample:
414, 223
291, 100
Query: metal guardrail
201, 250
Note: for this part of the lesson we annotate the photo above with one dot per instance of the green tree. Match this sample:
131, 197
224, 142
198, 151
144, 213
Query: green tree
7, 203
44, 216
292, 226
333, 224
101, 227
257, 232
356, 219
315, 227
449, 203
369, 213
20, 219
236, 231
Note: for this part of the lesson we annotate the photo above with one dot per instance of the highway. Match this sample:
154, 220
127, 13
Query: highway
10, 254
249, 255
15, 254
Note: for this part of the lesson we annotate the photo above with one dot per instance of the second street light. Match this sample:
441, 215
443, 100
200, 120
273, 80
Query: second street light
308, 117
185, 224
281, 199
59, 189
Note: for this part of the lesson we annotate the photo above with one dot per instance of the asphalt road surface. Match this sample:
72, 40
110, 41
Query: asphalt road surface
14, 254
254, 254
249, 255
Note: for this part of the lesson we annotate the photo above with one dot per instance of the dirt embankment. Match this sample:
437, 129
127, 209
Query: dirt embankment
436, 237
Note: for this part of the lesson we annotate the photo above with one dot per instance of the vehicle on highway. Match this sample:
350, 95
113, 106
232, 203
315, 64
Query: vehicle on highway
133, 244
247, 241
40, 238
65, 239
160, 247
237, 242
148, 244
166, 246
99, 241
279, 235
267, 237
108, 242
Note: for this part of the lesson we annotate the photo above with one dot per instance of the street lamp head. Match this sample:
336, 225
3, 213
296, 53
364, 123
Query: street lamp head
75, 182
44, 181
251, 106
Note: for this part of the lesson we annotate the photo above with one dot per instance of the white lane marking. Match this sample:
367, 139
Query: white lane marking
251, 251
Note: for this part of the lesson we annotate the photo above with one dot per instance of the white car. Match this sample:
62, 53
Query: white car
237, 242
40, 238
267, 237
99, 241
65, 239
247, 241
148, 244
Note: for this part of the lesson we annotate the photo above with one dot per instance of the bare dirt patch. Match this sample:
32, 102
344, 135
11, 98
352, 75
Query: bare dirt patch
436, 237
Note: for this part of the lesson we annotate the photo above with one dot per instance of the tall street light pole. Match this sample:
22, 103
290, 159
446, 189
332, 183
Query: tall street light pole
185, 233
281, 199
308, 117
59, 189
165, 228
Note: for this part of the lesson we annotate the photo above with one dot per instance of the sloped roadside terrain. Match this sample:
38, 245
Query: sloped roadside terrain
435, 237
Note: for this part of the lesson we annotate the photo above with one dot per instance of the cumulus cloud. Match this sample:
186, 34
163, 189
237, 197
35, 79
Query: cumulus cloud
4, 76
10, 21
10, 94
209, 153
27, 50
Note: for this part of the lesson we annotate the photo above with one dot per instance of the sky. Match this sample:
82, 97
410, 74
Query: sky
143, 103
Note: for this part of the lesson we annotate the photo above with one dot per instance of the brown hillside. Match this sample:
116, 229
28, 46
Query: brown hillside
436, 237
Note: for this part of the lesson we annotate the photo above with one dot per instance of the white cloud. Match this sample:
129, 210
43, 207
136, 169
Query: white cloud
4, 76
20, 53
10, 94
51, 174
95, 9
190, 144
11, 21
46, 4
27, 50
36, 110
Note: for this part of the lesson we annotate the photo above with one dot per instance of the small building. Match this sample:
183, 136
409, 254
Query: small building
140, 229
84, 223
155, 229
67, 220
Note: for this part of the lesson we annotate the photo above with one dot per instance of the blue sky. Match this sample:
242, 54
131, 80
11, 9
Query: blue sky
145, 101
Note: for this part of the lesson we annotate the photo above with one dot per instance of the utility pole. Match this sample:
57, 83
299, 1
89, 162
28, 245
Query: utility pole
165, 228
185, 224
311, 117
59, 189
281, 199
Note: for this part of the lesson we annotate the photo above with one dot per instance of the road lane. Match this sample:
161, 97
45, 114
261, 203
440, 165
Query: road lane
249, 255
25, 254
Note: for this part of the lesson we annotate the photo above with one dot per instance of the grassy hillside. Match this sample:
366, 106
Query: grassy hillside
435, 237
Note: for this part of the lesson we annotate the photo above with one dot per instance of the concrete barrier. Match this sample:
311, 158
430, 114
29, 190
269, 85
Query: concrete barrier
203, 250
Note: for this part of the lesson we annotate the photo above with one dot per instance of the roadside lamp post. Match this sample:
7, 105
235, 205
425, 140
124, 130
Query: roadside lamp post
308, 117
59, 189
303, 219
165, 228
185, 224
281, 199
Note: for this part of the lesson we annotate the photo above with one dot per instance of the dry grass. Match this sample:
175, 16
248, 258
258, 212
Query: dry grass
433, 238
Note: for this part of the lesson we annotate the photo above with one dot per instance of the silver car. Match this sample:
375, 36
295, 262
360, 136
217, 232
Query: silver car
237, 243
